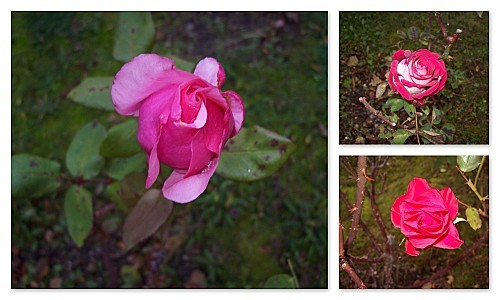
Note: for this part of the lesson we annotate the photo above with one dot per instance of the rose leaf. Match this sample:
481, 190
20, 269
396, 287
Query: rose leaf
468, 163
94, 92
33, 176
78, 212
82, 158
253, 154
134, 35
121, 140
473, 218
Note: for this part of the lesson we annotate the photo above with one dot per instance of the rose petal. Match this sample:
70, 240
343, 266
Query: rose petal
410, 249
416, 187
395, 211
183, 190
237, 109
136, 80
451, 240
450, 201
153, 169
211, 71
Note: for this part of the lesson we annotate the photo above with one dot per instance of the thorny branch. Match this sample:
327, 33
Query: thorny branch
353, 230
343, 264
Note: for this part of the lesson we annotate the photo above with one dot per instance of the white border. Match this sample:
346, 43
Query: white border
334, 149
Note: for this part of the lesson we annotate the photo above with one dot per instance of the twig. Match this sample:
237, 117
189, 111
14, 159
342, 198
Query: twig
480, 168
362, 224
366, 259
416, 124
441, 272
441, 25
479, 211
343, 264
377, 113
353, 231
104, 209
471, 185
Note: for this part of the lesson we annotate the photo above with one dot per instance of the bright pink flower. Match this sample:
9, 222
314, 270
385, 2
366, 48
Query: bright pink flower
417, 75
184, 119
425, 216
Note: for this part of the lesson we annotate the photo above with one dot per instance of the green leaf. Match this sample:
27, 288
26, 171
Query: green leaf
394, 103
131, 188
182, 63
134, 35
400, 136
473, 218
33, 176
82, 158
384, 132
253, 154
280, 281
448, 129
436, 116
78, 212
393, 118
113, 193
146, 217
121, 167
431, 136
121, 140
410, 109
468, 163
94, 92
426, 110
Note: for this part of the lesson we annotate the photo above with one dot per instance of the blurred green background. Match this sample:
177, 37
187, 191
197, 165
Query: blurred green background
236, 235
392, 181
373, 36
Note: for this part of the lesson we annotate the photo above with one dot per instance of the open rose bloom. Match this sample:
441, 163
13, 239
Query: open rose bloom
184, 119
425, 216
417, 75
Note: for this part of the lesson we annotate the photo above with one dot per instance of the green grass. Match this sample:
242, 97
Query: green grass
237, 234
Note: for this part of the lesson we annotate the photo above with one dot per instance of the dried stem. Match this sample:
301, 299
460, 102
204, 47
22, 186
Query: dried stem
353, 230
377, 113
103, 210
443, 271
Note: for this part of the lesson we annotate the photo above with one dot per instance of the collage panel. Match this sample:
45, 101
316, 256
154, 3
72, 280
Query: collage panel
414, 77
413, 222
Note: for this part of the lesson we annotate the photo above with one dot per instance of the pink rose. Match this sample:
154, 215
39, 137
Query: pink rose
184, 119
417, 75
425, 216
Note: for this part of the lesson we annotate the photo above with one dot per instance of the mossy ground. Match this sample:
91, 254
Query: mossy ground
238, 234
440, 172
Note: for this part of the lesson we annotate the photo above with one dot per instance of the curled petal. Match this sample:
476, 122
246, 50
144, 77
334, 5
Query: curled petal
396, 211
136, 80
450, 201
211, 71
182, 189
237, 109
416, 187
410, 249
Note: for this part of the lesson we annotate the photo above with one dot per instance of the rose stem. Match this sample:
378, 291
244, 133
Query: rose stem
389, 282
471, 185
468, 206
344, 265
443, 28
377, 113
353, 231
416, 124
104, 210
419, 283
480, 168
362, 224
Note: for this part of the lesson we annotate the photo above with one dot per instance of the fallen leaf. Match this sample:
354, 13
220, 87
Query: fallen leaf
353, 61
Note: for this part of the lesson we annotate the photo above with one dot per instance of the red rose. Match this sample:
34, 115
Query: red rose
417, 75
425, 216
